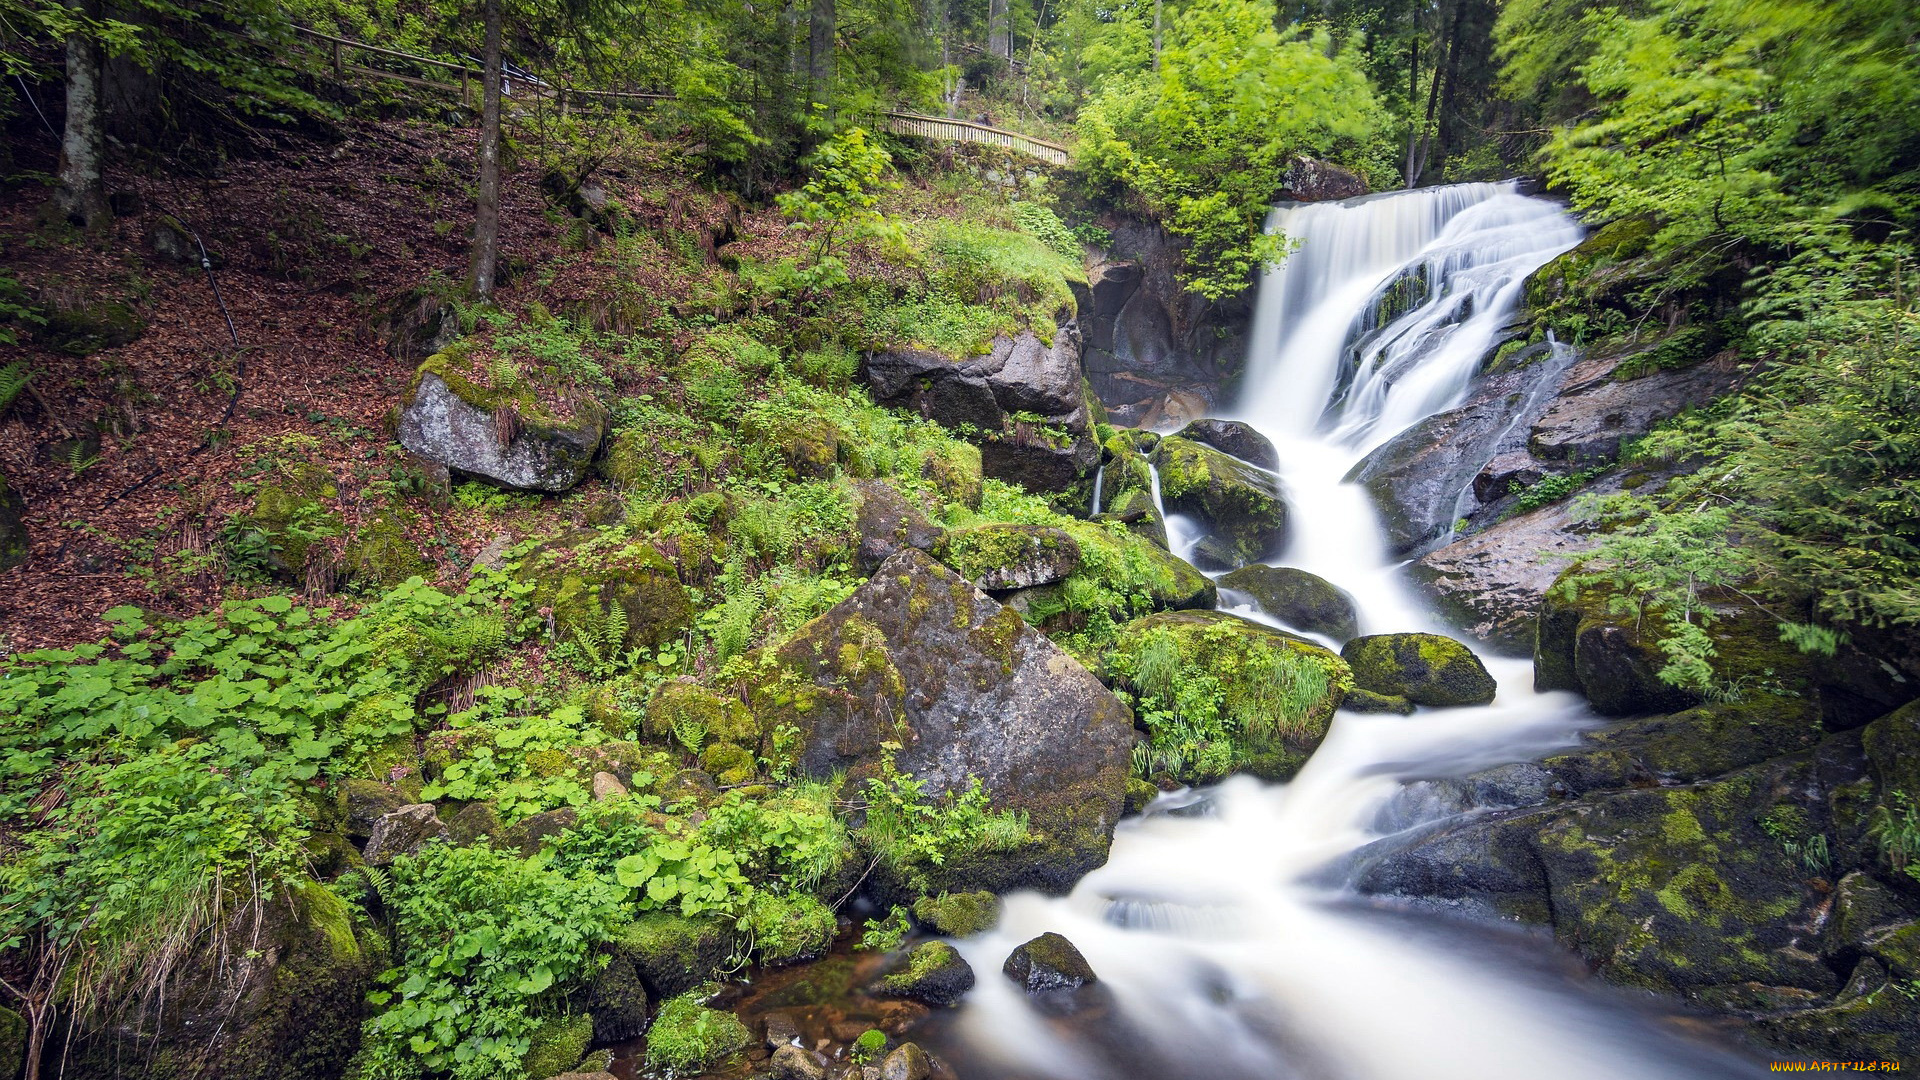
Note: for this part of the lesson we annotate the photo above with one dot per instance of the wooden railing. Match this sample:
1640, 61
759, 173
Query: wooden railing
522, 88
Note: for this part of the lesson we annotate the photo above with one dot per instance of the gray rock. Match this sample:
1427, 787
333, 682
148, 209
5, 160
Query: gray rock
1236, 438
403, 832
781, 1030
617, 1001
906, 1062
918, 656
1596, 412
1299, 599
1242, 506
1000, 557
367, 801
791, 1062
607, 786
1311, 180
888, 522
1047, 963
439, 426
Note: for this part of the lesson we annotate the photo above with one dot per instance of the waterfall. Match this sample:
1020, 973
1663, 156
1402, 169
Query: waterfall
1227, 942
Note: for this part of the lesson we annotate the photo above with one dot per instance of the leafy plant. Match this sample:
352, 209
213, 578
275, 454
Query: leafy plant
839, 201
885, 933
914, 831
1895, 827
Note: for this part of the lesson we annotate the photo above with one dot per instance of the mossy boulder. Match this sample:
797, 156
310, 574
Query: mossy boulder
1366, 701
919, 657
959, 914
1696, 744
1002, 557
1582, 642
14, 545
85, 329
1304, 601
507, 437
685, 710
888, 521
805, 447
585, 577
557, 1046
1048, 963
787, 928
1241, 506
1235, 438
1426, 669
673, 954
1126, 486
293, 512
687, 1037
13, 1042
932, 973
1892, 745
956, 473
381, 553
1278, 726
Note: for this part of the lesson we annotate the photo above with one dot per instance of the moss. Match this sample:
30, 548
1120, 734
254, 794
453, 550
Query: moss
1240, 502
672, 953
687, 1037
381, 553
1140, 794
13, 1042
869, 1045
695, 713
955, 472
88, 328
934, 973
557, 1046
1426, 669
789, 927
1009, 556
729, 765
959, 914
583, 577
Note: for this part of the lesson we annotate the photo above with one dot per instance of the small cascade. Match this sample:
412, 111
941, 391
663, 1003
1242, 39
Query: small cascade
1099, 475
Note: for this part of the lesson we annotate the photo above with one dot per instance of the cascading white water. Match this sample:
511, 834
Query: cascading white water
1225, 948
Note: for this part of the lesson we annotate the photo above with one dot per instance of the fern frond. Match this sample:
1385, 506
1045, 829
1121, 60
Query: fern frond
13, 379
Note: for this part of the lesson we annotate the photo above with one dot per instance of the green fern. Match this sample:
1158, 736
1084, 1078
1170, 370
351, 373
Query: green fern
13, 379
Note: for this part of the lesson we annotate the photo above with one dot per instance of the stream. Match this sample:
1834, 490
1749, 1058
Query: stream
1226, 942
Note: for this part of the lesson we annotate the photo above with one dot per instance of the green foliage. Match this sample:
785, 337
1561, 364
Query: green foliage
1046, 227
13, 379
839, 201
789, 927
1895, 827
519, 763
1205, 139
485, 942
913, 831
1553, 487
886, 933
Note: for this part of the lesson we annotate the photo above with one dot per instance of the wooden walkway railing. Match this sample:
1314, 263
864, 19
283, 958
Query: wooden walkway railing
518, 87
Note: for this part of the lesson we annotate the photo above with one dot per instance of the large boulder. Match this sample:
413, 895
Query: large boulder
1305, 601
1596, 409
1242, 506
595, 581
887, 522
1312, 180
920, 658
1126, 486
1024, 401
1581, 642
508, 439
1426, 669
1236, 438
404, 832
932, 972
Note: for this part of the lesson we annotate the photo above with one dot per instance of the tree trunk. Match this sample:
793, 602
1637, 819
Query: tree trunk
82, 194
999, 41
1413, 95
820, 25
1156, 35
486, 210
1418, 163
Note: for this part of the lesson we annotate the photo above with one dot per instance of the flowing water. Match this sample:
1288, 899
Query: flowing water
1225, 942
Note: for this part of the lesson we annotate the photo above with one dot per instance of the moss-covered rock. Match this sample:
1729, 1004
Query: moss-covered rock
381, 553
1235, 438
1697, 744
728, 764
1126, 486
1306, 601
13, 1042
919, 657
1001, 557
956, 474
959, 914
584, 577
1581, 642
500, 433
1279, 690
1892, 744
673, 954
932, 973
887, 521
1242, 506
1870, 1019
788, 927
1048, 963
688, 1038
85, 329
1366, 701
685, 710
558, 1045
1426, 669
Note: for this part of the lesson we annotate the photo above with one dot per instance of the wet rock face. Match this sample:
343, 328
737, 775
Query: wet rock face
1493, 583
1595, 411
439, 426
1048, 963
983, 394
1156, 354
932, 973
920, 657
1305, 601
1242, 506
1425, 669
1233, 437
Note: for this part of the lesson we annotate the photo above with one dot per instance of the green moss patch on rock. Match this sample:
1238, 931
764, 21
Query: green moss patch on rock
1426, 669
787, 928
688, 1038
584, 576
1242, 506
1305, 601
673, 954
1003, 557
932, 972
962, 914
558, 1045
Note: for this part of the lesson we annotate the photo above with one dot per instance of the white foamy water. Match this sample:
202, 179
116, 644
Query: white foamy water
1226, 945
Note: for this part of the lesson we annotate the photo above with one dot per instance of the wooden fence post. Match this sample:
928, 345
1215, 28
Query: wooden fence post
339, 68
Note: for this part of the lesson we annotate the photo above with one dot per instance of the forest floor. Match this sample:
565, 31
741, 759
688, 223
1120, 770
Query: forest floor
129, 458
